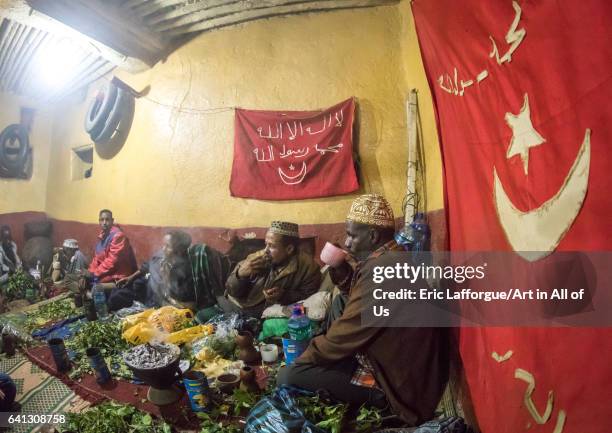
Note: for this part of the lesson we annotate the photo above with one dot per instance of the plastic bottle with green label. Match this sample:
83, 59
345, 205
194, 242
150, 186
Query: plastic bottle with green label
299, 326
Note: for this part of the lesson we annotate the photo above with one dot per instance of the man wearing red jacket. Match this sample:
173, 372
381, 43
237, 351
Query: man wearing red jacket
114, 258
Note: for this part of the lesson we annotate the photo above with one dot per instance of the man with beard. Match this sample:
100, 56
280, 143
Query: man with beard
166, 278
181, 274
278, 274
406, 367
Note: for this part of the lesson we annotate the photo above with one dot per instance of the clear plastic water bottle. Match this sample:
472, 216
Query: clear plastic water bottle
31, 291
99, 298
299, 325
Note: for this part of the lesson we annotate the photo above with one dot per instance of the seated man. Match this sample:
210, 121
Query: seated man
68, 262
181, 275
113, 260
280, 273
408, 367
9, 260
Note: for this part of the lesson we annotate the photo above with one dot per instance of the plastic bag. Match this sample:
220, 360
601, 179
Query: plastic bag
189, 334
279, 413
141, 333
451, 424
137, 318
229, 322
14, 327
144, 332
137, 307
165, 319
317, 305
274, 328
170, 318
223, 345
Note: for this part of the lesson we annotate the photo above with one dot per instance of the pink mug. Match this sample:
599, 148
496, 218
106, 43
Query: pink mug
332, 255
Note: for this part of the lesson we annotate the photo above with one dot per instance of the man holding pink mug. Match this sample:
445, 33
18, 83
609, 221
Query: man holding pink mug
404, 367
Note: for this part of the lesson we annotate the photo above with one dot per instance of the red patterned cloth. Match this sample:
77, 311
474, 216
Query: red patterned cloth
364, 373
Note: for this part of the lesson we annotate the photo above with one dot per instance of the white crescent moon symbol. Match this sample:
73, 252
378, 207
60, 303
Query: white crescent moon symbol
536, 233
293, 180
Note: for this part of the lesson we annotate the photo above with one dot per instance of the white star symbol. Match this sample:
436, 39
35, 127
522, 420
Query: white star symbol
291, 167
524, 135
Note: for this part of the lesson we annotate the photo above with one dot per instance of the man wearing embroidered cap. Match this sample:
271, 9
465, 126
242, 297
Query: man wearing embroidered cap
406, 367
68, 260
278, 274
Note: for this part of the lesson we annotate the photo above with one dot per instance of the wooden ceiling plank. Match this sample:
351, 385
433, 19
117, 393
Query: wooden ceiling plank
209, 23
226, 8
187, 10
154, 6
131, 4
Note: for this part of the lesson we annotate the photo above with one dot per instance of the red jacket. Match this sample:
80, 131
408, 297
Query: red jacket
114, 258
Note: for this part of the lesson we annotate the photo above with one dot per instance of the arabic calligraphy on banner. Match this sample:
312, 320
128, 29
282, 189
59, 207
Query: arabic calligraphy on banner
514, 37
522, 91
286, 155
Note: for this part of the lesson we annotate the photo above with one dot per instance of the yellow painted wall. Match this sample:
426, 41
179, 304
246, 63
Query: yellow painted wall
174, 168
18, 195
415, 78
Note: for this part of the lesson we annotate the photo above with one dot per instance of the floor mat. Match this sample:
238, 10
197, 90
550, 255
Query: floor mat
37, 391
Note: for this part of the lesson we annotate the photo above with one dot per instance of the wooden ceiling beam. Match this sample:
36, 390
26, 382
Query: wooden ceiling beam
240, 12
188, 9
107, 24
153, 6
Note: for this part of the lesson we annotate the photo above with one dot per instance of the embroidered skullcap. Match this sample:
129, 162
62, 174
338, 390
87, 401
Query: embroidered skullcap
285, 228
71, 243
373, 210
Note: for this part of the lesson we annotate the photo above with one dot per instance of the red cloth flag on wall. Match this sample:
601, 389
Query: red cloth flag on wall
522, 92
287, 155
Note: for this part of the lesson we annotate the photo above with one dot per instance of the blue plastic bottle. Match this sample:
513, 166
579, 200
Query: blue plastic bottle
99, 298
299, 325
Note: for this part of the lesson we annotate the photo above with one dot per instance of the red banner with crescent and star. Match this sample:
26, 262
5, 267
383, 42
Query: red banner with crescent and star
522, 91
288, 155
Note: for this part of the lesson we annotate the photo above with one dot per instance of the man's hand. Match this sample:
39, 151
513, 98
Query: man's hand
123, 282
83, 284
340, 275
273, 294
252, 266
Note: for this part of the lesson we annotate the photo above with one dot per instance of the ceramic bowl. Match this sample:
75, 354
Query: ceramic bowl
332, 255
228, 382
